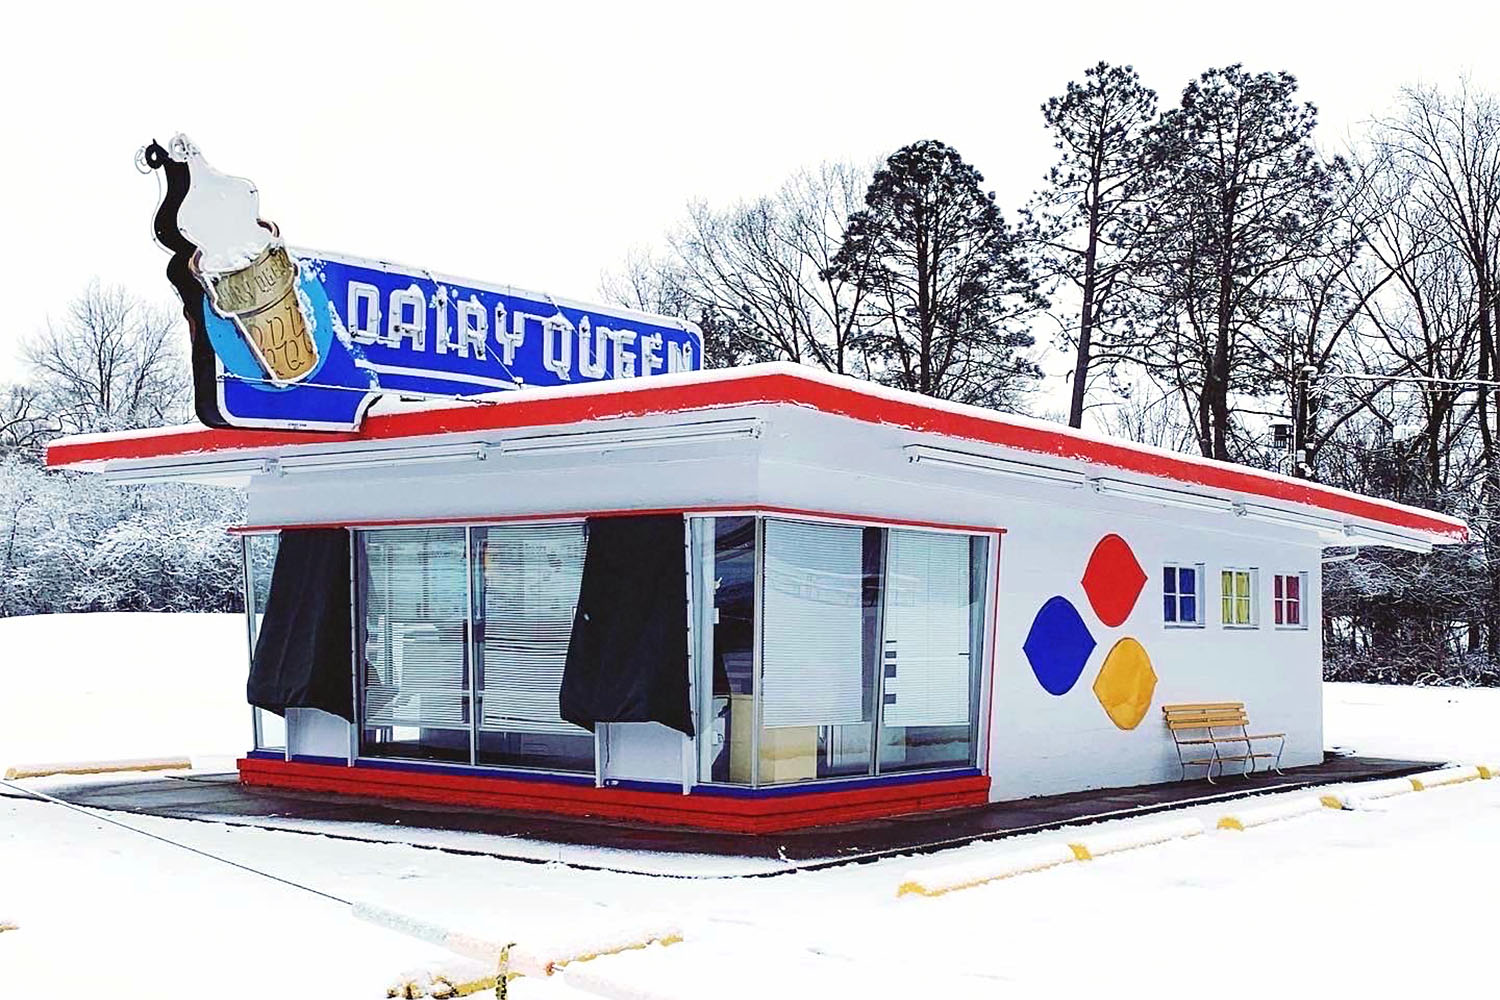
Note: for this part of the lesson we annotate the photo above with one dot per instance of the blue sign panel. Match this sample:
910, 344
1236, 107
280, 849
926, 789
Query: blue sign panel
306, 340
376, 328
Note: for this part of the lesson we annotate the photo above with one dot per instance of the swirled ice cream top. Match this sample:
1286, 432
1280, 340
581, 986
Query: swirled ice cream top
220, 214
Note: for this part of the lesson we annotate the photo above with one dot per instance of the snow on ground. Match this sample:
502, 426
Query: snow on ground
1439, 723
79, 686
1392, 901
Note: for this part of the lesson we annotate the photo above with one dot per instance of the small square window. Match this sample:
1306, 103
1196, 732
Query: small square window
1237, 597
1287, 591
1180, 596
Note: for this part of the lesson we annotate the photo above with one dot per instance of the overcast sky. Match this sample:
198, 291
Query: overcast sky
534, 144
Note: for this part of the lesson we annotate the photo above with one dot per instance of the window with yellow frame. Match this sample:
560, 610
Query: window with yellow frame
1237, 597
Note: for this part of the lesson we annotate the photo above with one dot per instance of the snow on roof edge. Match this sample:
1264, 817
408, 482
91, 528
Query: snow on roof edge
846, 382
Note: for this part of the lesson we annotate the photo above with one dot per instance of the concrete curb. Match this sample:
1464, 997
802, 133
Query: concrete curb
512, 959
949, 878
1097, 845
457, 978
1445, 776
1355, 796
1243, 819
98, 767
939, 880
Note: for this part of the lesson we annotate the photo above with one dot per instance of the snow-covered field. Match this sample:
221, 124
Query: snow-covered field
77, 687
1391, 901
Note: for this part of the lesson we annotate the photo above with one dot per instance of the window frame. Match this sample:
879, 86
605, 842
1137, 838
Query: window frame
258, 743
1199, 572
1279, 604
983, 673
980, 723
1253, 592
471, 641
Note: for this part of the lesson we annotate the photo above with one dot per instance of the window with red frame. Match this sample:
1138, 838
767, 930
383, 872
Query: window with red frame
1287, 594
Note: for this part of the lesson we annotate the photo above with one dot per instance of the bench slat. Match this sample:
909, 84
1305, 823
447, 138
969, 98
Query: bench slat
1177, 724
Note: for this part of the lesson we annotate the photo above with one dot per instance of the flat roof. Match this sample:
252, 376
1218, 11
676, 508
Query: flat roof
1040, 442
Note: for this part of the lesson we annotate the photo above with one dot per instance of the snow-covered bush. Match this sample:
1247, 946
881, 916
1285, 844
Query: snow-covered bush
71, 542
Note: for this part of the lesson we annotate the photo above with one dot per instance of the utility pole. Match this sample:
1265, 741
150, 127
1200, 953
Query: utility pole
1301, 405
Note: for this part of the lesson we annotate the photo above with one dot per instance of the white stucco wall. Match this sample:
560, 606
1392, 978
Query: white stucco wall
1038, 743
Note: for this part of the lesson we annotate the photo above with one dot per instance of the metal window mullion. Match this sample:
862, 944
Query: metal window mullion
758, 633
471, 654
977, 659
247, 584
702, 533
688, 758
355, 646
984, 710
878, 721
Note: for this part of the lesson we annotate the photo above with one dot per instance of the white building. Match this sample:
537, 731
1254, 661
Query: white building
849, 601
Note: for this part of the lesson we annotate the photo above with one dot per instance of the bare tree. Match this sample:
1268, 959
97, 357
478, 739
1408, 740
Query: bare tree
1425, 327
24, 424
760, 271
112, 362
1448, 145
656, 283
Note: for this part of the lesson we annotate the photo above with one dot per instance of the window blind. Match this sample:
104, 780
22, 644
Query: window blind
927, 630
812, 667
529, 581
416, 611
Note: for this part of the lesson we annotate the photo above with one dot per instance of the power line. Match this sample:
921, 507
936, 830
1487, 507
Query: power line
1433, 380
42, 796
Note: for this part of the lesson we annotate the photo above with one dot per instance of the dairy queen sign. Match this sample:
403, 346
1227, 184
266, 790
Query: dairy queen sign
303, 339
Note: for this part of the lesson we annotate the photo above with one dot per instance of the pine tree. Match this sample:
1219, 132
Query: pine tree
1082, 220
945, 286
1245, 198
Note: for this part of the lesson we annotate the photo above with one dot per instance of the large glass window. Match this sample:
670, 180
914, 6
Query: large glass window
933, 644
725, 595
260, 560
463, 634
413, 637
526, 582
869, 641
817, 660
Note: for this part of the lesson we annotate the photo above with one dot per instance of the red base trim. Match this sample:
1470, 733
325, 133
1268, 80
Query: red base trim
769, 814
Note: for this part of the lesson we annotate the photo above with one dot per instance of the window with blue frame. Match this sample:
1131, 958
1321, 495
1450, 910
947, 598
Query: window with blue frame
1182, 594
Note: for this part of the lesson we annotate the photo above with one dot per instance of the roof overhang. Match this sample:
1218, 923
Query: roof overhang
698, 406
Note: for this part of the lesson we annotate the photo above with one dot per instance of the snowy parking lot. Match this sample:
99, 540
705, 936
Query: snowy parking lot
1388, 900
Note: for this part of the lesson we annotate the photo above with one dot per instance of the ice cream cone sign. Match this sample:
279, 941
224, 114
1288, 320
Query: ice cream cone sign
308, 340
243, 266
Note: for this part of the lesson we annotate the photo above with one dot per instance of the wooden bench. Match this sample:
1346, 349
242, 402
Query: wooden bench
1211, 725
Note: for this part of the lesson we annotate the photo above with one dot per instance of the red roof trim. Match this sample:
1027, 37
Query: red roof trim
766, 387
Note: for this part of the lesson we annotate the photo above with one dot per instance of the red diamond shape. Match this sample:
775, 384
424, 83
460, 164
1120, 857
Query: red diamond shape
1113, 580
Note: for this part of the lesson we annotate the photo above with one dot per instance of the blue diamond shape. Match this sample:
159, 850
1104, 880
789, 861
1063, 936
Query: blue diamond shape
1058, 646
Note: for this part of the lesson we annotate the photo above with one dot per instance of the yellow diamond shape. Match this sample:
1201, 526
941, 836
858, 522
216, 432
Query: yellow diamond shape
1126, 683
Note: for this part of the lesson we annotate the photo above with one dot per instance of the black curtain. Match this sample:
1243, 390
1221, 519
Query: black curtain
628, 658
302, 654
